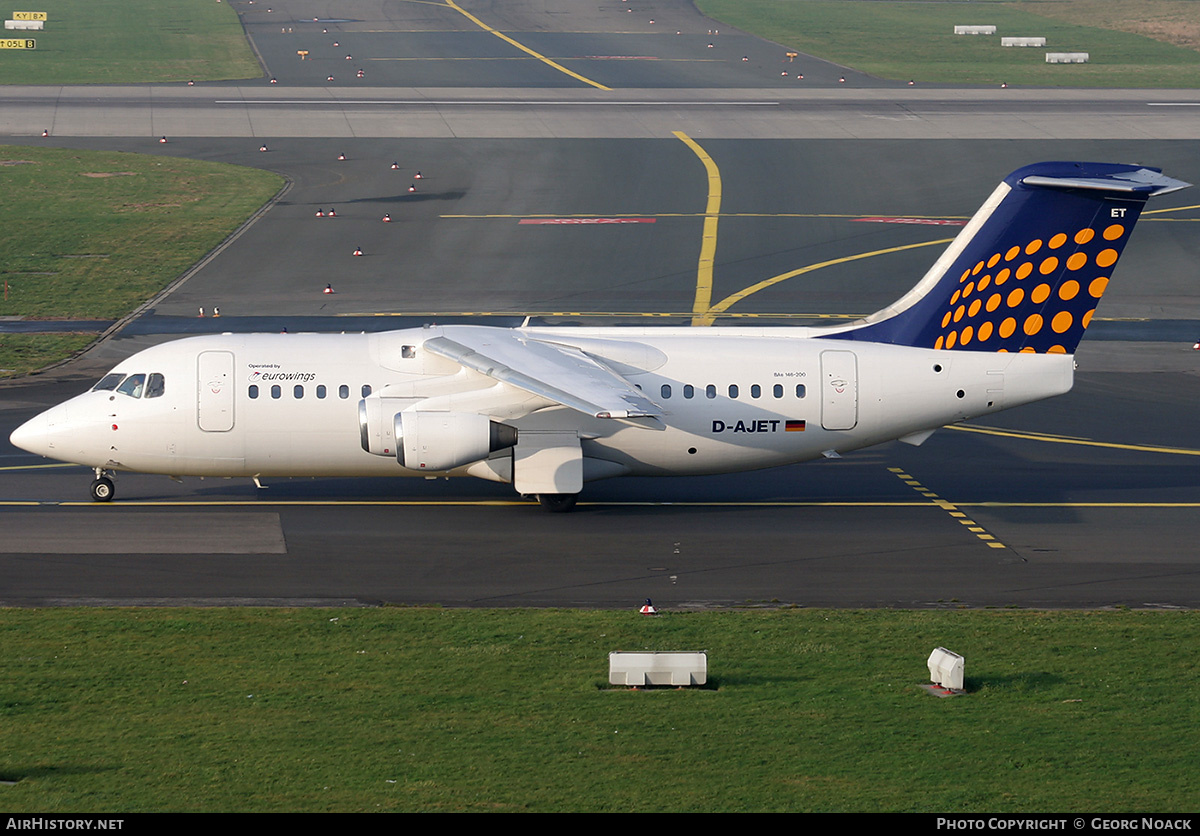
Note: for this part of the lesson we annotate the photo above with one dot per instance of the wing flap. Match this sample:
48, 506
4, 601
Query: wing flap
558, 372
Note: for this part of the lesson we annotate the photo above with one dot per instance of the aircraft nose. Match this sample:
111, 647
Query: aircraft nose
36, 434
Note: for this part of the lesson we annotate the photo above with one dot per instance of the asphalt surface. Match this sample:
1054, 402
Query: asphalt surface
1103, 516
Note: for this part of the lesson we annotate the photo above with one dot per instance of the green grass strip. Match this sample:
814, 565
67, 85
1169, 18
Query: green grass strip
24, 353
509, 710
131, 41
904, 40
93, 234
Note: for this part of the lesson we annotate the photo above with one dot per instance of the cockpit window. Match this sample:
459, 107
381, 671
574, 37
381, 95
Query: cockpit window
109, 382
155, 386
133, 385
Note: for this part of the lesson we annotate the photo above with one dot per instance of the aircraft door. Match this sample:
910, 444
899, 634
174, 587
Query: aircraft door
214, 379
839, 390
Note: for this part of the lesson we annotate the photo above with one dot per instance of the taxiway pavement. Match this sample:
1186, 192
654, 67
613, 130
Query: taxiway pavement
1094, 498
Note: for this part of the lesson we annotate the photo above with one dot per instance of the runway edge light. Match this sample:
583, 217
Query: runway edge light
946, 669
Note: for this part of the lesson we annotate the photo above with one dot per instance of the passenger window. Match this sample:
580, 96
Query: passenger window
276, 391
666, 390
343, 391
109, 382
366, 390
756, 391
733, 390
710, 391
688, 390
321, 391
253, 391
156, 386
408, 352
133, 385
800, 390
298, 391
777, 390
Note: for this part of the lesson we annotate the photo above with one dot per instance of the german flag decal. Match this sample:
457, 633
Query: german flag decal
794, 426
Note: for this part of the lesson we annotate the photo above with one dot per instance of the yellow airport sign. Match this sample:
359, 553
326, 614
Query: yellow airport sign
18, 43
30, 16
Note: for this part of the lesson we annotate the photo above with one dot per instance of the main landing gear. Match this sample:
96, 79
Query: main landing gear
557, 503
103, 489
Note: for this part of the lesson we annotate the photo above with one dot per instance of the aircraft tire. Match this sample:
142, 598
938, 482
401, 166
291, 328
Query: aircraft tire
557, 503
103, 489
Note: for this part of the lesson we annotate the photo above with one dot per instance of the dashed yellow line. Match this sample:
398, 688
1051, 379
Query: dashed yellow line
1083, 442
708, 241
522, 47
975, 528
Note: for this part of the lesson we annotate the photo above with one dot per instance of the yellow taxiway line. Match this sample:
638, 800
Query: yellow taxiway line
522, 47
38, 466
435, 315
939, 504
722, 306
708, 239
850, 215
1083, 442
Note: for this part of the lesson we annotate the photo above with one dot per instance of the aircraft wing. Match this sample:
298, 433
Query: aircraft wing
558, 372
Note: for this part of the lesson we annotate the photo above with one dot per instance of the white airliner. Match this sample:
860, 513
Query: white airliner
993, 324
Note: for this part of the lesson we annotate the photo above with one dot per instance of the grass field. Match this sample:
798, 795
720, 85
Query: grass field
91, 234
1153, 43
132, 41
509, 710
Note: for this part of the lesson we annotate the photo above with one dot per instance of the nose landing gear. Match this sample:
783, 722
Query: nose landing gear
103, 489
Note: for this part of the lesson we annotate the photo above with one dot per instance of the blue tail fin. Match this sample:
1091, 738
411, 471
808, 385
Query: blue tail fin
1028, 270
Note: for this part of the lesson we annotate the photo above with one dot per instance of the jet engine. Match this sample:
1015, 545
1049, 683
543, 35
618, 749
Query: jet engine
439, 441
375, 423
429, 440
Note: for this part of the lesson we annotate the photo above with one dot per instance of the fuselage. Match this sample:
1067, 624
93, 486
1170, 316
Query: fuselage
733, 399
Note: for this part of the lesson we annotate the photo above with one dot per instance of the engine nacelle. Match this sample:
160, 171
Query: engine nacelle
376, 425
439, 441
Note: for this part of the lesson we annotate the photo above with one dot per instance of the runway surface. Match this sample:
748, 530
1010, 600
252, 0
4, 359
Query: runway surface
1091, 499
